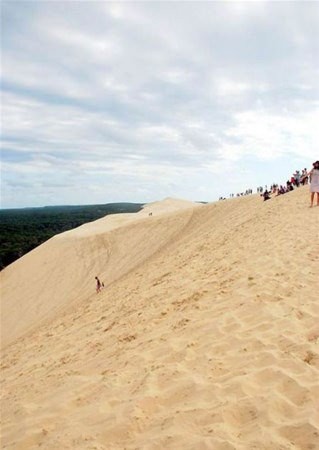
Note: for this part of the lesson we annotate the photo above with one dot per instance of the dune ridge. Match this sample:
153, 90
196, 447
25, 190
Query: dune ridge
61, 271
206, 336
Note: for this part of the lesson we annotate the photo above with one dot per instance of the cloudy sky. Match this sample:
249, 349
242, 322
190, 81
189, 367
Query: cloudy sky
138, 101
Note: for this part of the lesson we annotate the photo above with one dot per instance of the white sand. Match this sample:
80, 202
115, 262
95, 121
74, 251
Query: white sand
205, 337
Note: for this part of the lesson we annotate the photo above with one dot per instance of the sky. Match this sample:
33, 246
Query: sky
107, 102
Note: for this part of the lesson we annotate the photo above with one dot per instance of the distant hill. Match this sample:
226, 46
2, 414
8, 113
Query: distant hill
21, 230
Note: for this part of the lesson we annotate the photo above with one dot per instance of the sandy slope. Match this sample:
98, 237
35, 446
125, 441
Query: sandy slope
206, 336
61, 272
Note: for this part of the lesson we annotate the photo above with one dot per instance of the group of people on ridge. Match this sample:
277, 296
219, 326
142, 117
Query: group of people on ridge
297, 179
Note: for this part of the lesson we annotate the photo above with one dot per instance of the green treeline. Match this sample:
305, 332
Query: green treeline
21, 230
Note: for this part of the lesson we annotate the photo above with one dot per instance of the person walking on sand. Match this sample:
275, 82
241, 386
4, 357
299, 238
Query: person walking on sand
98, 285
314, 183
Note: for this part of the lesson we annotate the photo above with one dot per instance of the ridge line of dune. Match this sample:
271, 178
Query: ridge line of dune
107, 240
70, 309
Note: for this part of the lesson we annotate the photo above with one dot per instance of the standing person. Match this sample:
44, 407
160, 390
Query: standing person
314, 183
304, 176
297, 178
98, 285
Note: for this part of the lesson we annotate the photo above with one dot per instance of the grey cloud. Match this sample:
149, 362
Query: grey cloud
145, 86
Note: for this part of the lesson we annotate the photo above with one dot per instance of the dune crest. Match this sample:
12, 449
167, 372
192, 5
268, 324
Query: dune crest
61, 271
206, 336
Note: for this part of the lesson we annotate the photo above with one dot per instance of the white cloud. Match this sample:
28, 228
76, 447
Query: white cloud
231, 87
123, 92
269, 136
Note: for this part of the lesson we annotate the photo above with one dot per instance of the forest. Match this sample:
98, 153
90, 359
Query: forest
21, 230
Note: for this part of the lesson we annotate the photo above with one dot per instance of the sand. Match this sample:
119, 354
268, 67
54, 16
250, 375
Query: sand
205, 336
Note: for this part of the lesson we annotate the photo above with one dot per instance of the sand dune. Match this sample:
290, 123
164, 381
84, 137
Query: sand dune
206, 336
61, 272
